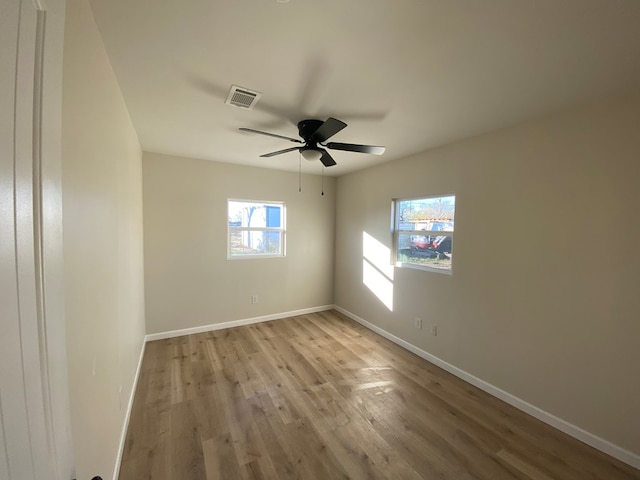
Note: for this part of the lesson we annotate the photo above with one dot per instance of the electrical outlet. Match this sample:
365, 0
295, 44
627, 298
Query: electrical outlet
434, 330
254, 299
417, 322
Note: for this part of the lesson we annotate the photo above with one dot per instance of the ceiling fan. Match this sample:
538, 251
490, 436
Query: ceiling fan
314, 134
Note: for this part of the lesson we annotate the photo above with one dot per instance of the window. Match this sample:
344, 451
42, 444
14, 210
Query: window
256, 229
423, 232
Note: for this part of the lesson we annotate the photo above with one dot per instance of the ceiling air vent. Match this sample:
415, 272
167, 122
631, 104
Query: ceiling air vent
243, 98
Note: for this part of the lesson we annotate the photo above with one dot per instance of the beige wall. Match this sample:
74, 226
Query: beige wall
543, 301
102, 208
188, 280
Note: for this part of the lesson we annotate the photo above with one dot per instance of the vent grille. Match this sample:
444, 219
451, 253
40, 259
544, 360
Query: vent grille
242, 97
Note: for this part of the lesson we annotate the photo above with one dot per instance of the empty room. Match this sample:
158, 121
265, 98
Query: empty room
293, 239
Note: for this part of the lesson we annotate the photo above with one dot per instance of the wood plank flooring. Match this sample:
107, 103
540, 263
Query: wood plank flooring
321, 397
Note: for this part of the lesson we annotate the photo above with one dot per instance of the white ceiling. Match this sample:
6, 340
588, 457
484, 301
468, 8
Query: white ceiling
407, 74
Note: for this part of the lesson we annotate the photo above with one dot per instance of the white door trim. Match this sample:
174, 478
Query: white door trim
35, 441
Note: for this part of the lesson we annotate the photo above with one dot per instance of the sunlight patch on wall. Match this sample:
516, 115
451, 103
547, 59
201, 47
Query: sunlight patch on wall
377, 271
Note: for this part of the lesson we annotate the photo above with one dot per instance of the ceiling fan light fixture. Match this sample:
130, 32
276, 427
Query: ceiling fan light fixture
311, 154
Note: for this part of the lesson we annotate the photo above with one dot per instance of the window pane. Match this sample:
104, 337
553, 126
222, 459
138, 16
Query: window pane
255, 228
254, 215
425, 223
435, 214
245, 242
434, 251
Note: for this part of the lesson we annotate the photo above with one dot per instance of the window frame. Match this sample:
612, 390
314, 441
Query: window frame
281, 229
397, 233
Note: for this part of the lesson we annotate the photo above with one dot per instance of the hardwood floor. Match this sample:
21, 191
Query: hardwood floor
320, 397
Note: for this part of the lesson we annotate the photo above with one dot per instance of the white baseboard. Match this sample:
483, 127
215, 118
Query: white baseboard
125, 426
234, 323
596, 442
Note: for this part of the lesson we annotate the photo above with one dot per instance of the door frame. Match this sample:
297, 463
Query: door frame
35, 434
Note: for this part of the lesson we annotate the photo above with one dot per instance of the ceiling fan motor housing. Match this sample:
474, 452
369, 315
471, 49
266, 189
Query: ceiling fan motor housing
306, 128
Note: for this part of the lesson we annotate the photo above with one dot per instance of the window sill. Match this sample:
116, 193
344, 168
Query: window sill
413, 266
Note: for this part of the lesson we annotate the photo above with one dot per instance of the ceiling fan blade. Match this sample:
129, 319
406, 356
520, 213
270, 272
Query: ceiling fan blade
326, 159
271, 135
352, 147
327, 129
279, 152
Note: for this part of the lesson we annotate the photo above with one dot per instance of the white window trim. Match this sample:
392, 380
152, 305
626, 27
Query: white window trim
282, 230
396, 236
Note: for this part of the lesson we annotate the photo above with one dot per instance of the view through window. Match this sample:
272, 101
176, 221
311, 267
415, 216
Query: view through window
256, 229
423, 233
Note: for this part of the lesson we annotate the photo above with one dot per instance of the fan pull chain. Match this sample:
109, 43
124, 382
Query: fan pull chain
299, 171
322, 181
